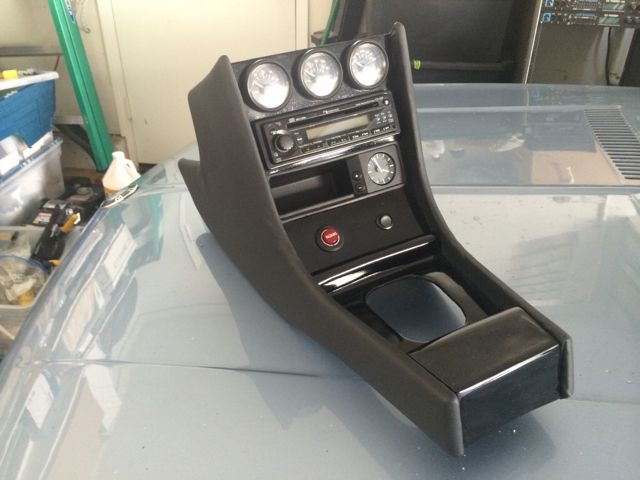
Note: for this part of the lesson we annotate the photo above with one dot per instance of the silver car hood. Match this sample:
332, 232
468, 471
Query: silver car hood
150, 357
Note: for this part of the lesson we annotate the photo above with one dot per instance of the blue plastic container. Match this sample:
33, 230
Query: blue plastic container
28, 111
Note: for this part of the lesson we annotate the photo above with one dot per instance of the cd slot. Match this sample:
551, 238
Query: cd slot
327, 117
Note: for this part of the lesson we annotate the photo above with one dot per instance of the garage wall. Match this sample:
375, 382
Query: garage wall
146, 54
166, 47
318, 14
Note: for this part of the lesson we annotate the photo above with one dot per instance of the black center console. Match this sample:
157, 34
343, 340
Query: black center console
312, 180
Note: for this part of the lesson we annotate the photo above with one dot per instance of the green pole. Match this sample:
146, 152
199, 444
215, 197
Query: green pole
75, 58
330, 21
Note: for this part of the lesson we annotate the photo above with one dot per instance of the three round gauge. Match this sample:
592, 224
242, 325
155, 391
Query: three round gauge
367, 64
268, 84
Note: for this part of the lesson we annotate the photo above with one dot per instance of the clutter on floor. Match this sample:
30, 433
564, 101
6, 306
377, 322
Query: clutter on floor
41, 211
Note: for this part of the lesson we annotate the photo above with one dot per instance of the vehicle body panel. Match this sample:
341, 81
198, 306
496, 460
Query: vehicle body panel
150, 356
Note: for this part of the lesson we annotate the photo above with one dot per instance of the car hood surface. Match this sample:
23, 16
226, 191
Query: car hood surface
150, 356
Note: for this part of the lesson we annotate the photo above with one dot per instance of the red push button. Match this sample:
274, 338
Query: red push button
329, 238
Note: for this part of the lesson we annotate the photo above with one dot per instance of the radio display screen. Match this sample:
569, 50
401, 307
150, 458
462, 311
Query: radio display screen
337, 127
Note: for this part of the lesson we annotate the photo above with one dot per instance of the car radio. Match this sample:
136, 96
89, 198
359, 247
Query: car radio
291, 137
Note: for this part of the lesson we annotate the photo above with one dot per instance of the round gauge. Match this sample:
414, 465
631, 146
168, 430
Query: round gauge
268, 85
320, 74
367, 64
381, 168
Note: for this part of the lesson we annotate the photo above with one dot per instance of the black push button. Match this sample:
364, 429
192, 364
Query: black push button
385, 222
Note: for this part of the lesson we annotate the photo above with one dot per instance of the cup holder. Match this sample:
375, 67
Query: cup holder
416, 308
498, 364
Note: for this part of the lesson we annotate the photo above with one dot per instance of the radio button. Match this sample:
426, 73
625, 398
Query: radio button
284, 142
376, 130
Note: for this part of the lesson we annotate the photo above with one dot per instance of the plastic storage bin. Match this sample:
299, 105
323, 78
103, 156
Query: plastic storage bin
28, 111
22, 190
12, 317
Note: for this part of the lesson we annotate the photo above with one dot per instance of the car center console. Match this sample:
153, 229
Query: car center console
311, 178
333, 162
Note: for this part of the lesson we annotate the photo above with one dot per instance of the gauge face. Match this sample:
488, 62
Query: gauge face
320, 74
268, 86
381, 168
367, 65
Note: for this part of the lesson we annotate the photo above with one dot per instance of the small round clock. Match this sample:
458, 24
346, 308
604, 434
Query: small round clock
381, 168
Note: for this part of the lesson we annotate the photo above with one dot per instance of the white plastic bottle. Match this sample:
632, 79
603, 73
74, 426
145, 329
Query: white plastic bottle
121, 173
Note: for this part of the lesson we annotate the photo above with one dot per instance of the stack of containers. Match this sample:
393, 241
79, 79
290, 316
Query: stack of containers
30, 171
30, 167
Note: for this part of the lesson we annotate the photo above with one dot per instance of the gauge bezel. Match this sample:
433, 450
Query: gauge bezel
299, 80
245, 81
352, 77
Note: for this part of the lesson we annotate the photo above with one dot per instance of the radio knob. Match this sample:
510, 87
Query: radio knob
284, 142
